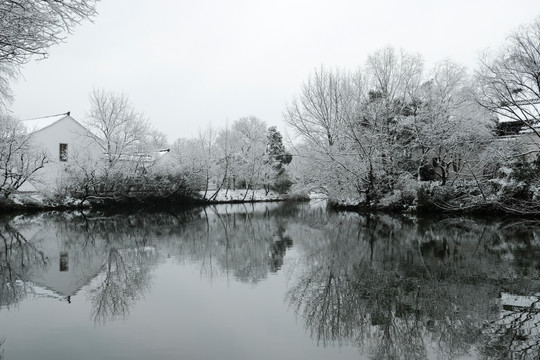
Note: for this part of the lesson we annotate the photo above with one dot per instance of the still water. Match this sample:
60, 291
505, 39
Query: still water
267, 281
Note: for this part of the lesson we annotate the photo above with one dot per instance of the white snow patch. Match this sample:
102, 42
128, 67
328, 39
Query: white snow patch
37, 124
521, 301
317, 195
241, 195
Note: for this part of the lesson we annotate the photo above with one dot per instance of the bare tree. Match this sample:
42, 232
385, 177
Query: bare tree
250, 135
198, 158
7, 72
226, 149
156, 140
509, 80
30, 27
319, 116
119, 126
207, 144
121, 133
19, 158
318, 113
190, 161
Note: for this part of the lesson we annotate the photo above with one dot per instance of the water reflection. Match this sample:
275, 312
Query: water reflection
19, 259
396, 288
401, 290
124, 279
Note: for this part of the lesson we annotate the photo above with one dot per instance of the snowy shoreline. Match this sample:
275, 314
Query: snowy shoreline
36, 202
235, 196
26, 201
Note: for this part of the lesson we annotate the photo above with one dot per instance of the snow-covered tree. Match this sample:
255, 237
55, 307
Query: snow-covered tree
276, 160
351, 122
448, 129
30, 27
250, 137
365, 134
509, 80
19, 158
319, 118
120, 128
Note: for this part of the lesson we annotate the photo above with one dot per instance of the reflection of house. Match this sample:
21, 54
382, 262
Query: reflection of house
67, 267
512, 302
517, 329
64, 139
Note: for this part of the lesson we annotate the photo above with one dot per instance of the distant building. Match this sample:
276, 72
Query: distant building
521, 123
65, 141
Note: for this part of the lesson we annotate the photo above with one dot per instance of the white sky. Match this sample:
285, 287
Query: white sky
186, 64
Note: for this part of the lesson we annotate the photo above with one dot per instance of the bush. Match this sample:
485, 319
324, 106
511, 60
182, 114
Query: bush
402, 196
427, 172
519, 181
122, 186
283, 183
433, 195
527, 171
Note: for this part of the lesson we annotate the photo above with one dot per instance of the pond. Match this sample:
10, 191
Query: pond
267, 281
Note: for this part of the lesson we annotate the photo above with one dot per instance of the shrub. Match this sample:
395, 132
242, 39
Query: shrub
283, 183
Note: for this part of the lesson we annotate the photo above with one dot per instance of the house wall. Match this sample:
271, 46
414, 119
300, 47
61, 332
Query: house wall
80, 146
530, 144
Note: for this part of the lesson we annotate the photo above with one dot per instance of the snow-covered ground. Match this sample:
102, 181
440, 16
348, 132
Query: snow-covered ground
37, 200
225, 195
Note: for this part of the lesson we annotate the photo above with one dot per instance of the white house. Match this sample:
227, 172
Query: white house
65, 141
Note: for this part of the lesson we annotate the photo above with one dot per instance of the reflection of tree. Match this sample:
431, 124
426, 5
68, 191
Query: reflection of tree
516, 334
126, 276
128, 241
237, 240
398, 290
279, 248
244, 240
326, 304
248, 241
18, 258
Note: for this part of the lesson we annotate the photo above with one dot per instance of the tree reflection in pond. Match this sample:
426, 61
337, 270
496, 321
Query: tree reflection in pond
19, 258
247, 241
401, 291
516, 333
125, 278
396, 288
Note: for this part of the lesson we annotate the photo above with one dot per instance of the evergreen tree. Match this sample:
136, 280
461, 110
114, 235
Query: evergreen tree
278, 158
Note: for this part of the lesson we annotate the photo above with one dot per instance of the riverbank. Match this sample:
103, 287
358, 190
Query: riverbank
27, 201
419, 202
435, 203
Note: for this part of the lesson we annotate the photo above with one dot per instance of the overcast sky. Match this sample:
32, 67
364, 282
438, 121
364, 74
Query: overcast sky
189, 63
